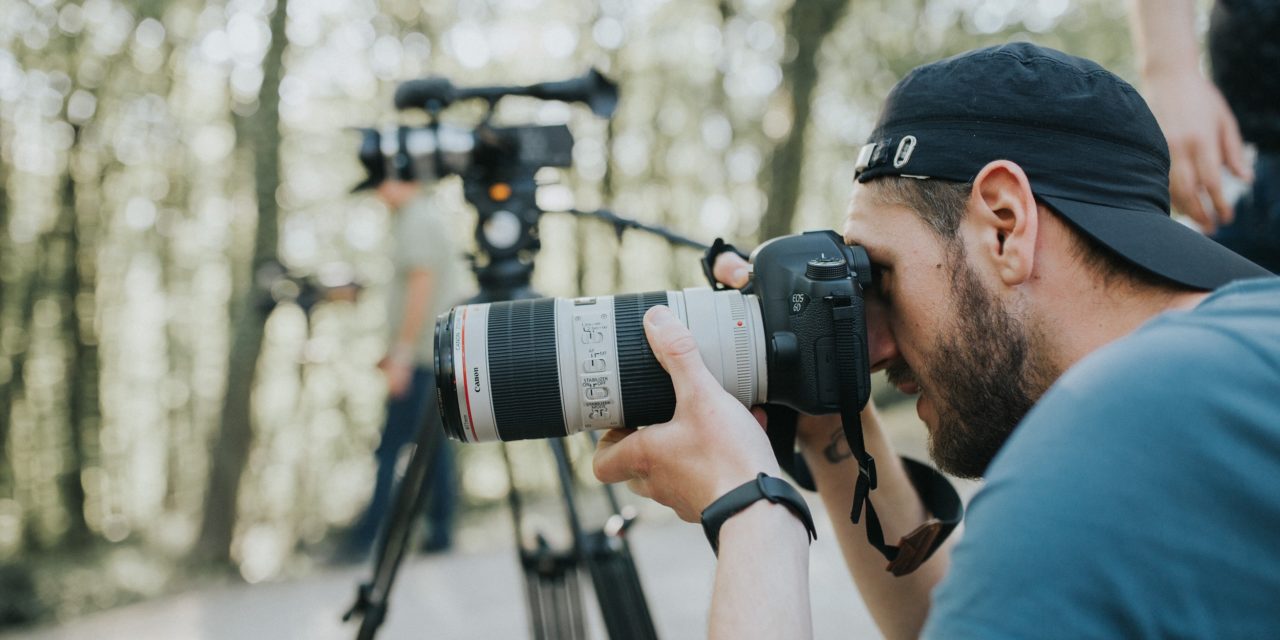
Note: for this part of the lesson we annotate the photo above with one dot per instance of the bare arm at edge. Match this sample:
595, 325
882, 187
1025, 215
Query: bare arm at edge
1202, 133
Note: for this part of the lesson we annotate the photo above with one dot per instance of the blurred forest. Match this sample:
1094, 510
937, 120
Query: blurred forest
169, 414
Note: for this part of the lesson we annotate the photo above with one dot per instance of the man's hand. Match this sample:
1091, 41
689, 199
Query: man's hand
711, 445
1203, 137
399, 372
397, 193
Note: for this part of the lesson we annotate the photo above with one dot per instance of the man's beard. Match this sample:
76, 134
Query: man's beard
984, 377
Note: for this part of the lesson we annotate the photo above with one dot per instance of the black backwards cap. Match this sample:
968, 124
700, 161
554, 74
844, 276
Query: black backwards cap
1085, 138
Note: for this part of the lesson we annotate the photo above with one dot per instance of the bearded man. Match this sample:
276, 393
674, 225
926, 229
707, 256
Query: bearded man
1112, 374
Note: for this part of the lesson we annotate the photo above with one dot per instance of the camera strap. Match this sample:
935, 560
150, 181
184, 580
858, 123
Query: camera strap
935, 491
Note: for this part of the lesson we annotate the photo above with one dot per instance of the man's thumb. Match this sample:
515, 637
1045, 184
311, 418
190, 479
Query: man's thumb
675, 348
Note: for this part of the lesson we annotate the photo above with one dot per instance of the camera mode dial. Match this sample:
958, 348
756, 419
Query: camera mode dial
826, 269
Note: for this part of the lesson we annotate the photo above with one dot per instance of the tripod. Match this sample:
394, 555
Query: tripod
553, 577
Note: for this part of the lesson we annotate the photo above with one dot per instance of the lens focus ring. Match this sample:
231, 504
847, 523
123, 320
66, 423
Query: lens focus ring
647, 394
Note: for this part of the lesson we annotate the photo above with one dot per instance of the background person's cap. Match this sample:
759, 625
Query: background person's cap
1085, 138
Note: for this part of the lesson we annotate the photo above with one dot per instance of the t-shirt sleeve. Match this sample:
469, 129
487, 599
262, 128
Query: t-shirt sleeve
422, 238
1106, 513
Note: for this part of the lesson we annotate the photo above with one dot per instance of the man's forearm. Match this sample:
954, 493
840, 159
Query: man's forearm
1164, 35
898, 604
762, 576
417, 305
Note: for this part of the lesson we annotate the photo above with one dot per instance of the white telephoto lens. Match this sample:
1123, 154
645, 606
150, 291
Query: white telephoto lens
555, 366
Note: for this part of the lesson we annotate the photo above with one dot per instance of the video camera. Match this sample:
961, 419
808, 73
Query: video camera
425, 154
497, 164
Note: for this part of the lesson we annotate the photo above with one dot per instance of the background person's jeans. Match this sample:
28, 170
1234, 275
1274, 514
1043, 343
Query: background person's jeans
1255, 232
405, 415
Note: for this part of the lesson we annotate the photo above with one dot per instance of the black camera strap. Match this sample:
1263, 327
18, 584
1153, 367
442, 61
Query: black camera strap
939, 497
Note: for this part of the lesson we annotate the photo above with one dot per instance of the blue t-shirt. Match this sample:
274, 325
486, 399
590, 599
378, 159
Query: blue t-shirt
1140, 498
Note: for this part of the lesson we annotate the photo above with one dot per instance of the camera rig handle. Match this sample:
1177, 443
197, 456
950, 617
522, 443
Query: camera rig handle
435, 93
621, 224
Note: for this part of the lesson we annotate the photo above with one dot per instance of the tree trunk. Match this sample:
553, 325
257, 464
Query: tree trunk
259, 132
81, 362
7, 372
808, 23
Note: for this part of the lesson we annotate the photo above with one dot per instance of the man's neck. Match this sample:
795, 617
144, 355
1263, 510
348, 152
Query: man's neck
1078, 325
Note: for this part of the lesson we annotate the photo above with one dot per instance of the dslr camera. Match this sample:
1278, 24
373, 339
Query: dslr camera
551, 367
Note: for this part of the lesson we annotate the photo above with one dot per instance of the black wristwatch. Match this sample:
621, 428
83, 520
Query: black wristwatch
764, 487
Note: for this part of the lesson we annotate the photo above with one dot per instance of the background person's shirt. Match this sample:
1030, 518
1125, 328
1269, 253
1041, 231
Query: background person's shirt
421, 239
1141, 497
1244, 48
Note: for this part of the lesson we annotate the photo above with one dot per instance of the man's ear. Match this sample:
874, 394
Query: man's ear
1003, 212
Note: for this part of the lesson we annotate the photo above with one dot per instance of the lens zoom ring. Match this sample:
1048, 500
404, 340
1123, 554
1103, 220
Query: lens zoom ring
742, 350
522, 370
647, 394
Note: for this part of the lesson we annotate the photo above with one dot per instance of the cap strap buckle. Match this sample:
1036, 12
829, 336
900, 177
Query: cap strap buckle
864, 158
874, 154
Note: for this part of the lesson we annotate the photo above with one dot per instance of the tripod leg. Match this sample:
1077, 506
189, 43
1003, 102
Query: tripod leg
618, 589
552, 584
371, 603
555, 598
608, 560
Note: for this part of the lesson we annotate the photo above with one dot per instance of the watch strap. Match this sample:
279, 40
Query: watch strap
764, 487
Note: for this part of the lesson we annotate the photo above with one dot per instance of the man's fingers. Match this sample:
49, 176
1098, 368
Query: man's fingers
1233, 149
676, 350
1234, 159
761, 416
731, 270
620, 456
1185, 199
1209, 175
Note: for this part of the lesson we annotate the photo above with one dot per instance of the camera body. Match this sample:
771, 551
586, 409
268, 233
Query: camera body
484, 154
551, 367
799, 280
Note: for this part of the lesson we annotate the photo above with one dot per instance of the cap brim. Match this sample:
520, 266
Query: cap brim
1154, 241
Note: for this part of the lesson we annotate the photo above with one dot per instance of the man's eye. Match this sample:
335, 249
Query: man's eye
876, 272
880, 284
883, 292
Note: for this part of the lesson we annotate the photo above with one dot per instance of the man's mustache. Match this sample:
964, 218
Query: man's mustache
899, 373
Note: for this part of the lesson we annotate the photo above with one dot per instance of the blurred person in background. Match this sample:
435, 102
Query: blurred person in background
427, 281
1208, 124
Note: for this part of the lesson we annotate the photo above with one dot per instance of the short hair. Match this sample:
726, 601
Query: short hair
942, 204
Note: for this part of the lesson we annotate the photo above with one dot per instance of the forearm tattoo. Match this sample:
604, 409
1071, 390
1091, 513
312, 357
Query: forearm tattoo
837, 449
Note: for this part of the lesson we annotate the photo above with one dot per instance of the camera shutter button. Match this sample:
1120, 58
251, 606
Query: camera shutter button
826, 269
